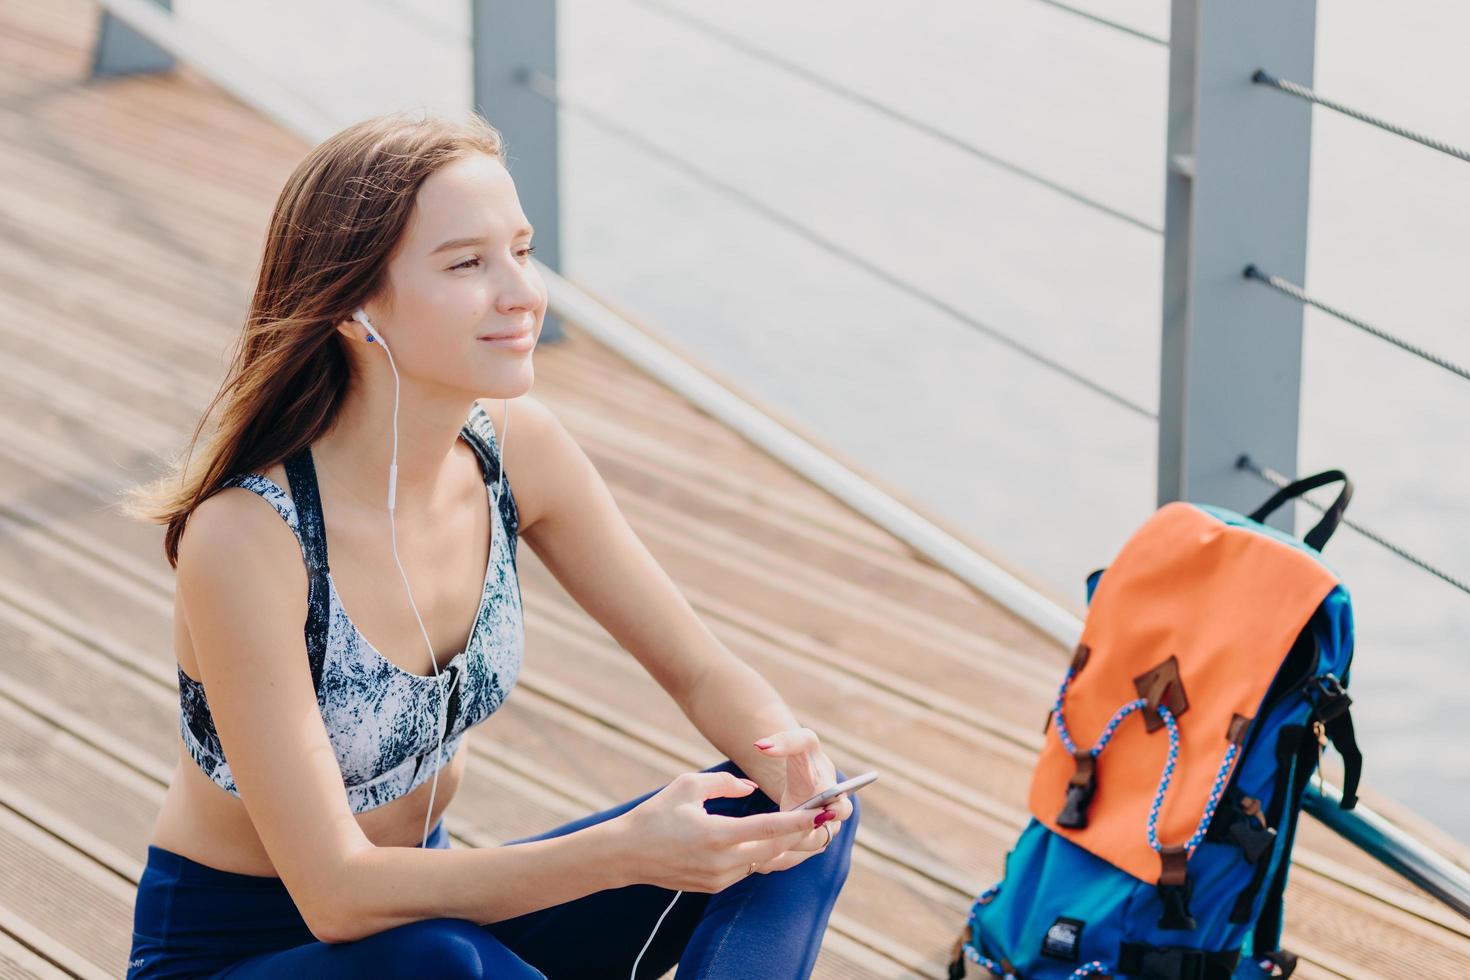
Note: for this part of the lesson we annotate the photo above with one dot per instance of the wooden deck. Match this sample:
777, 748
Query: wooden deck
130, 218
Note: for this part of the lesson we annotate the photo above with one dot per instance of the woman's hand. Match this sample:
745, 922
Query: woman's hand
808, 772
673, 842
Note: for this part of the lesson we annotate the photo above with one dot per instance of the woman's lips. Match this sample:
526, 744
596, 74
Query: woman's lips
520, 341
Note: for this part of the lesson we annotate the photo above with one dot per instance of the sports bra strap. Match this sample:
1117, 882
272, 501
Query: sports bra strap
479, 432
301, 474
481, 435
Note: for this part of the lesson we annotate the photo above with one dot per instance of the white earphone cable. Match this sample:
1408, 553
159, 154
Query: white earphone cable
373, 334
649, 940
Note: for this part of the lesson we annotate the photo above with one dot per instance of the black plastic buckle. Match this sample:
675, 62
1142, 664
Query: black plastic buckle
1175, 888
1238, 820
1283, 963
1173, 964
1331, 698
1176, 907
1254, 842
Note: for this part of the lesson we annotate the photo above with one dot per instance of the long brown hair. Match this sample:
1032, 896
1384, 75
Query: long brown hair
334, 228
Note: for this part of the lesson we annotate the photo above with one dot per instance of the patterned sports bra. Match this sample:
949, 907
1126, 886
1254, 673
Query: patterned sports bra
383, 721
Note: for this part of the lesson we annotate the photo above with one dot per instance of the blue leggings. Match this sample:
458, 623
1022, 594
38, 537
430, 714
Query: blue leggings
191, 920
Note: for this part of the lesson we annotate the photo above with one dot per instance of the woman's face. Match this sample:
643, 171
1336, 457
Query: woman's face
462, 270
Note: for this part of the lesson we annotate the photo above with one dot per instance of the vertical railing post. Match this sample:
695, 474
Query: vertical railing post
1237, 188
120, 50
509, 37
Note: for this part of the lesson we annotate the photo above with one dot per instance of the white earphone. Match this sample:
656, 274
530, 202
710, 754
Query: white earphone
374, 336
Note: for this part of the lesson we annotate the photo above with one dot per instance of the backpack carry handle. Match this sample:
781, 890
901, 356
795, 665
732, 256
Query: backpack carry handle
1317, 536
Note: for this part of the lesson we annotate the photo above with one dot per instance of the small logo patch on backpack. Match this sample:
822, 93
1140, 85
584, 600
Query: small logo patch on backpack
1063, 940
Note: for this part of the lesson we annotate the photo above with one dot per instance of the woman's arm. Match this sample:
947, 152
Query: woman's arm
569, 517
382, 887
733, 705
243, 591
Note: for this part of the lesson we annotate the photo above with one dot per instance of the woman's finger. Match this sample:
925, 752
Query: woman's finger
798, 853
761, 851
791, 742
842, 806
784, 861
816, 841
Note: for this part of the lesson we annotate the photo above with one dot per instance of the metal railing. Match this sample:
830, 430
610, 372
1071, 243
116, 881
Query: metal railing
1190, 97
515, 72
1254, 273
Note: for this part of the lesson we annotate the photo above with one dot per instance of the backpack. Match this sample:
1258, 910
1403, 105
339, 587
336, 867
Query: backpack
1211, 669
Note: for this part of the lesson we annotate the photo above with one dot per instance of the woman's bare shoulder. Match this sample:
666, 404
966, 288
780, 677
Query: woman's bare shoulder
236, 536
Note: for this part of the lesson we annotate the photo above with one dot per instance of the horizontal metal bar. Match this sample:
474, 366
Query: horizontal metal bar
1263, 77
1300, 295
1105, 22
1279, 480
546, 87
873, 105
1375, 836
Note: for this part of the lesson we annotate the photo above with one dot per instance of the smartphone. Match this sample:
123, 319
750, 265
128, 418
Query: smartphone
832, 792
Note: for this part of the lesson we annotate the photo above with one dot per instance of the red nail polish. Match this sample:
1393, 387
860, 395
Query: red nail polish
823, 817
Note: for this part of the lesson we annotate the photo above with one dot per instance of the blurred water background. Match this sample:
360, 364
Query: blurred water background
1046, 473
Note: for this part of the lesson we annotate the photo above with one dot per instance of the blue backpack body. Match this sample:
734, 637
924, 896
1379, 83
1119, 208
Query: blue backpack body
1210, 906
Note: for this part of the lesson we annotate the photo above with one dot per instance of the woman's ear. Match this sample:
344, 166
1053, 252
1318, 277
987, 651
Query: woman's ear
353, 329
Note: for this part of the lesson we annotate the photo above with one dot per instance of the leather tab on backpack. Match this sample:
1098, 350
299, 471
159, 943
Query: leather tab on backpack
1086, 772
1079, 657
1235, 734
1175, 865
1161, 685
1080, 789
957, 956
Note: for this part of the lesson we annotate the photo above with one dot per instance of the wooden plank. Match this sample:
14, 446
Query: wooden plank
54, 900
19, 962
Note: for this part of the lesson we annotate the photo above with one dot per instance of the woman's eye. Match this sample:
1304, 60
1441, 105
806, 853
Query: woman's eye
475, 260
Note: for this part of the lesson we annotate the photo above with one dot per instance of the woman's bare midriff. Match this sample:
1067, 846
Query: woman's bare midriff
207, 824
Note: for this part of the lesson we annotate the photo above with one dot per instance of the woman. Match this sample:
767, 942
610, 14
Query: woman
292, 838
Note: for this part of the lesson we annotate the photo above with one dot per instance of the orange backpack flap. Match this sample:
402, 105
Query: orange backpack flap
1226, 604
